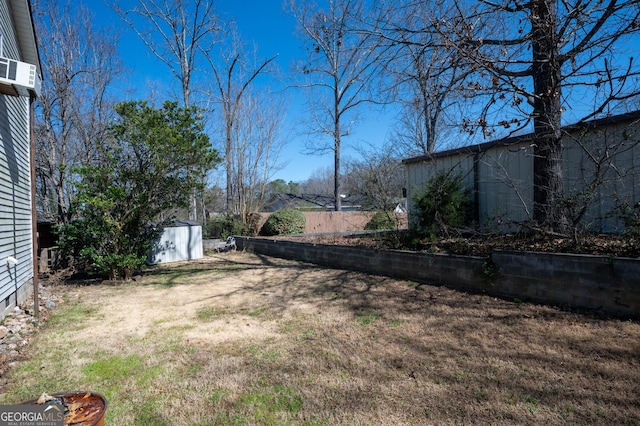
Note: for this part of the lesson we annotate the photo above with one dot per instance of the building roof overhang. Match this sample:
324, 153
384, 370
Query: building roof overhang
25, 32
605, 121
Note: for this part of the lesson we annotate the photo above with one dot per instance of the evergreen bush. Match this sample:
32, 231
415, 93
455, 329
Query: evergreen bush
225, 226
381, 220
443, 204
284, 222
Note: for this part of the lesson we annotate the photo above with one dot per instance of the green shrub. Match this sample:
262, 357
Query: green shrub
630, 215
90, 242
444, 203
226, 225
114, 202
382, 220
284, 222
115, 266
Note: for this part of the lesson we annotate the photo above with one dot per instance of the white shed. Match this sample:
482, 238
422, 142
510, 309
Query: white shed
181, 240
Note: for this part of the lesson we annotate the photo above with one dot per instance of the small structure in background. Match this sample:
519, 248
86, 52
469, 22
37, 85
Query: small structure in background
181, 240
47, 245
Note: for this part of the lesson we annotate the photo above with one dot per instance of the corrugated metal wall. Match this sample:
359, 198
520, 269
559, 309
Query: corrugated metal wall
504, 188
15, 182
612, 152
176, 244
500, 175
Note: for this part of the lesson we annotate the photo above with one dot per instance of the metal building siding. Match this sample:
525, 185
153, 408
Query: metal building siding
504, 182
177, 243
15, 178
419, 173
503, 176
615, 150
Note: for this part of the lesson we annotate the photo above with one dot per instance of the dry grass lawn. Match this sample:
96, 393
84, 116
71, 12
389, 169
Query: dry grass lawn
238, 338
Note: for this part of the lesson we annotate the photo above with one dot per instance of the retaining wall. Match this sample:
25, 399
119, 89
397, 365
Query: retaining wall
605, 284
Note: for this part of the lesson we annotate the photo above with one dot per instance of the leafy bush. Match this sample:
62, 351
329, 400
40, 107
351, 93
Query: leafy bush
444, 203
98, 249
115, 201
630, 215
226, 225
113, 265
284, 222
382, 220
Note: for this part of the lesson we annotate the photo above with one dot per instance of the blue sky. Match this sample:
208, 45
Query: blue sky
274, 32
265, 23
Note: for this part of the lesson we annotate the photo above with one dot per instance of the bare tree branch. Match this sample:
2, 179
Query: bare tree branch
343, 62
79, 65
250, 129
175, 32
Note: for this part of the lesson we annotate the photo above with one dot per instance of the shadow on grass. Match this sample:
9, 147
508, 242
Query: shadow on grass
367, 348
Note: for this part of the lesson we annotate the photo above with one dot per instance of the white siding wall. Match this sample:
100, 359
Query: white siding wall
15, 185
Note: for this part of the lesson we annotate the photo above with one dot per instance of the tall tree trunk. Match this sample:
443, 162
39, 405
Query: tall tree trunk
547, 160
229, 168
62, 216
337, 177
429, 139
336, 147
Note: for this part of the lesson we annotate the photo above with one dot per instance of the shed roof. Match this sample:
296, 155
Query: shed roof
177, 223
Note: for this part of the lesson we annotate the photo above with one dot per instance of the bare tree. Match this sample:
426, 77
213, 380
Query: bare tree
176, 32
256, 145
379, 176
319, 183
250, 126
344, 60
426, 74
543, 59
79, 65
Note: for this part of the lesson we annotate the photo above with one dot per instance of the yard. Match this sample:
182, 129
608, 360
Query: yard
238, 338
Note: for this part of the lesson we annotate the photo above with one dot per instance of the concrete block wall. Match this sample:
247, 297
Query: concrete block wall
444, 269
605, 284
601, 283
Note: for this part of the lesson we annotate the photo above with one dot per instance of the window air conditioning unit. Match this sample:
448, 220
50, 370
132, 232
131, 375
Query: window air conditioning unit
19, 78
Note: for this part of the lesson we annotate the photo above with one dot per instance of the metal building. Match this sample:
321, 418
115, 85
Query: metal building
600, 165
181, 240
